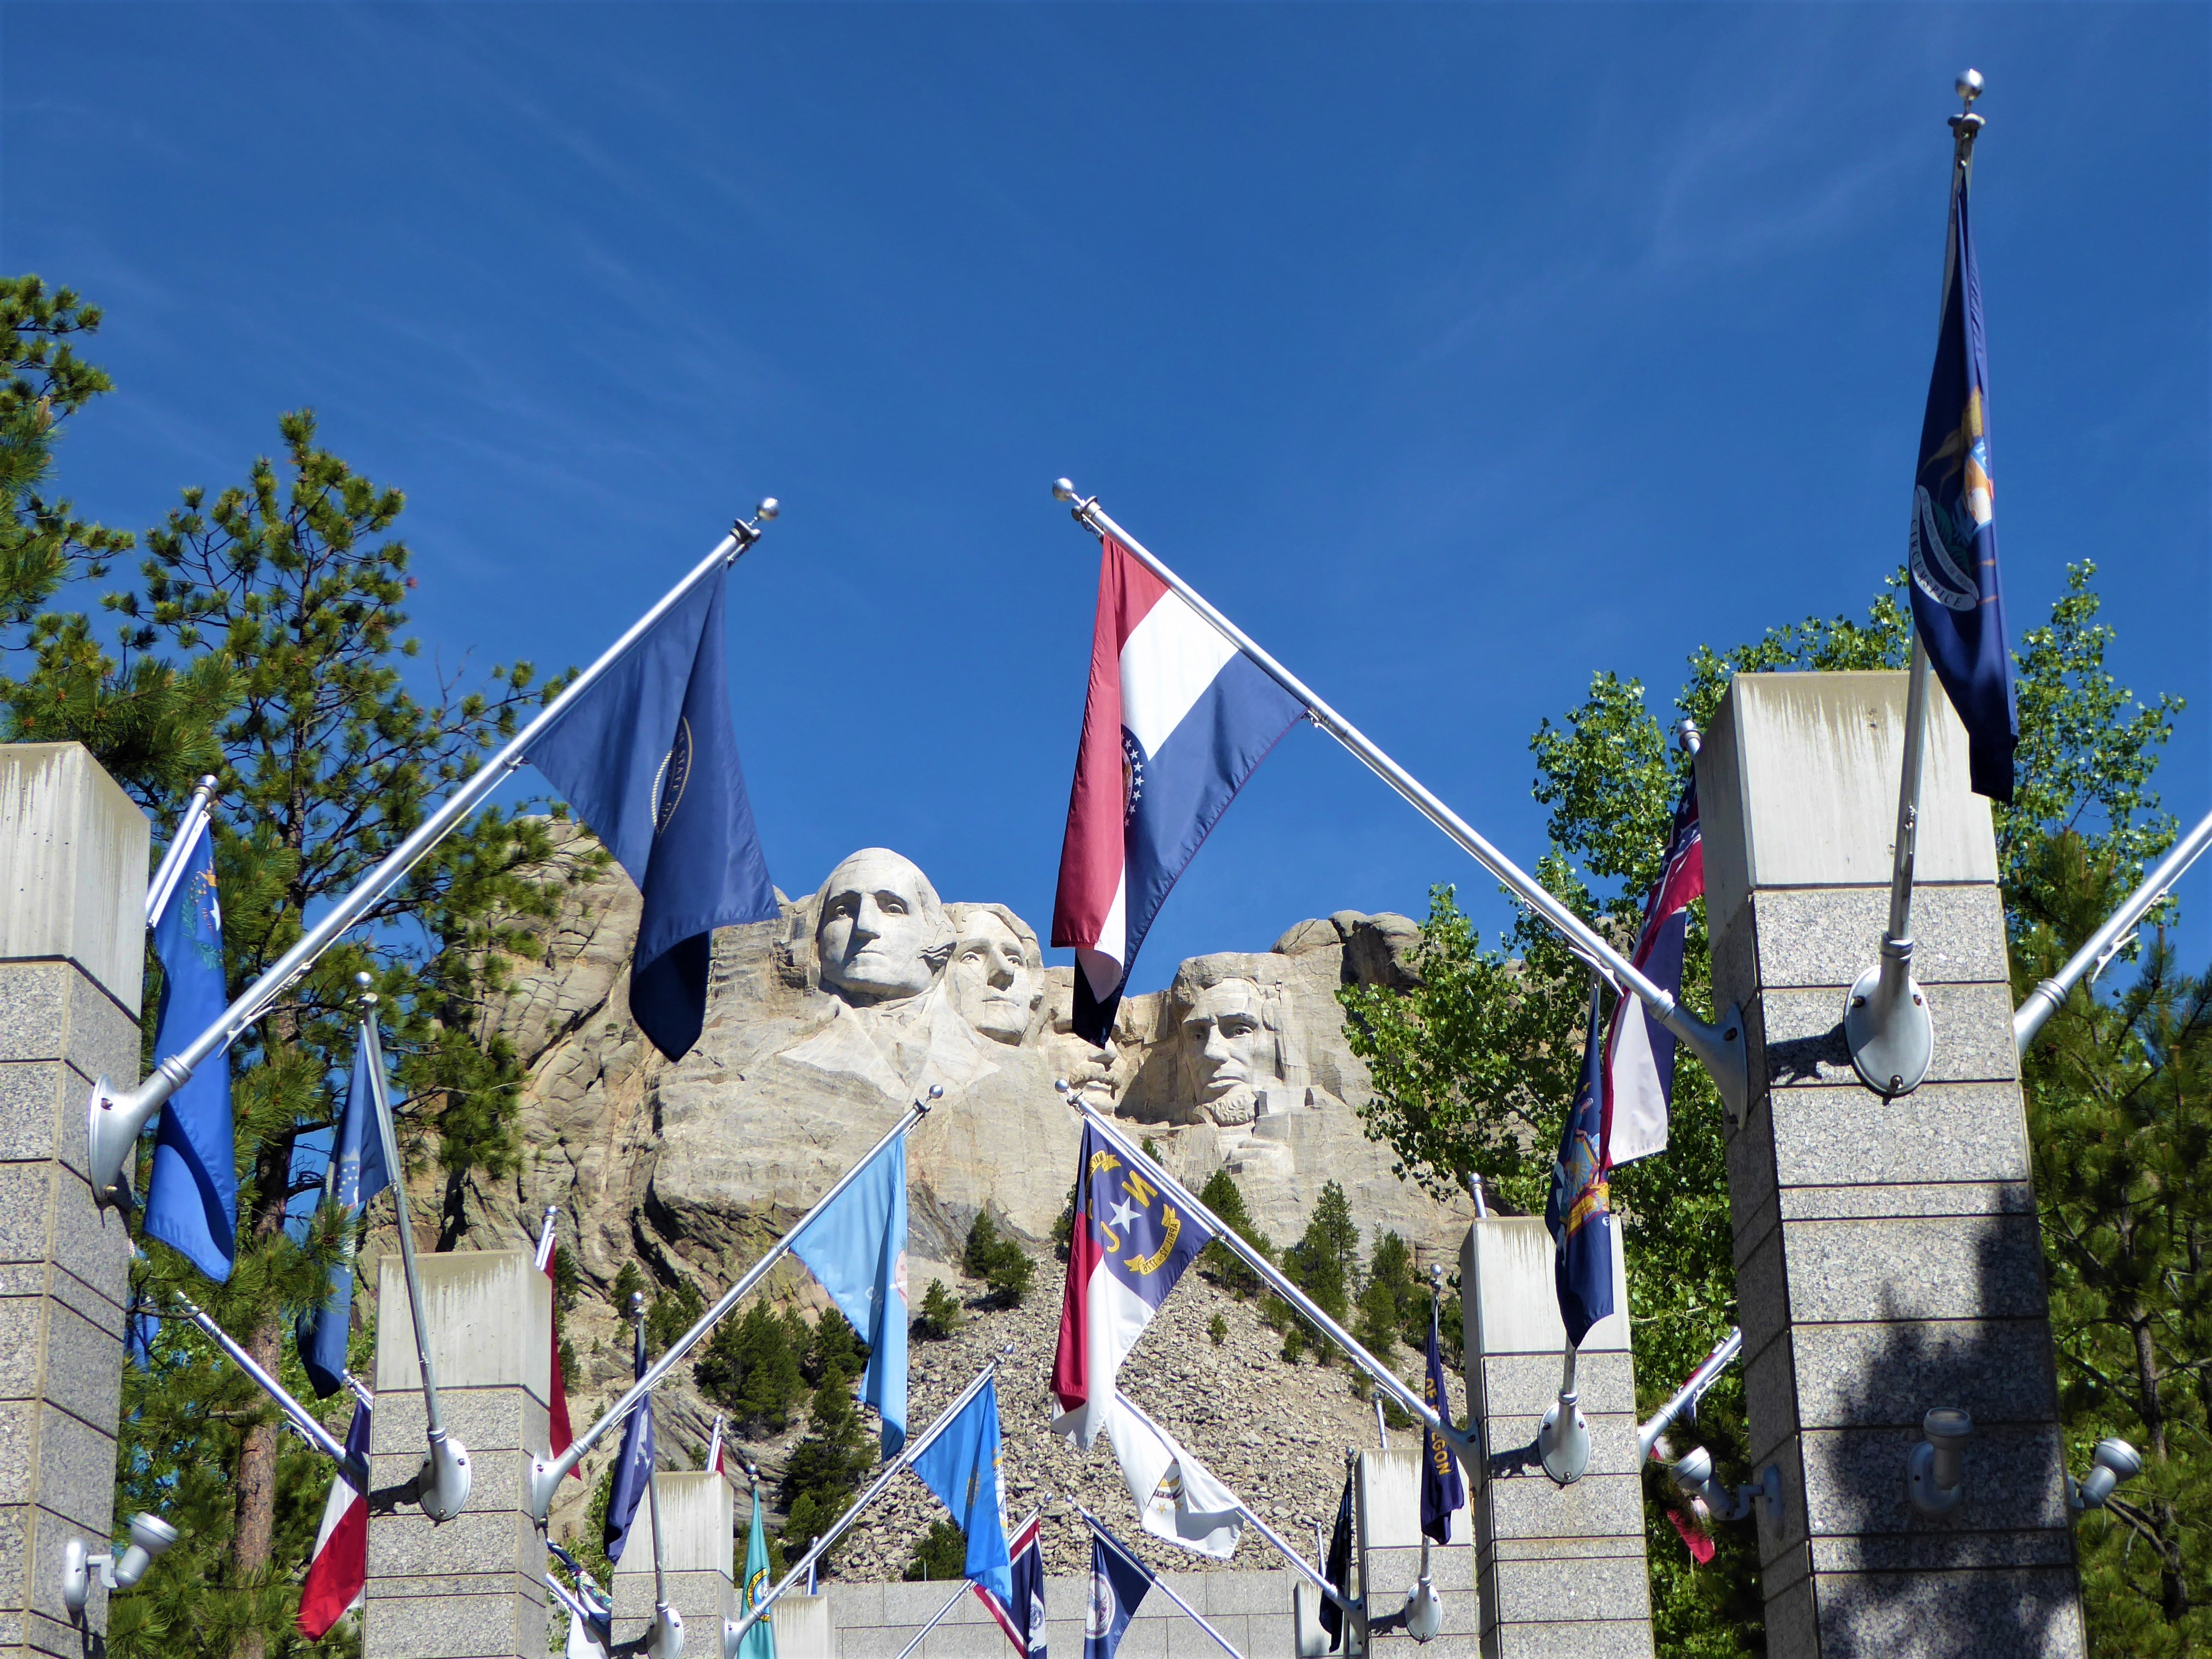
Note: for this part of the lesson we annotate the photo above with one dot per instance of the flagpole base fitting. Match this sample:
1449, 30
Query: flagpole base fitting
112, 1127
665, 1639
1720, 1048
1934, 1469
1563, 1441
442, 1486
1425, 1613
1886, 1024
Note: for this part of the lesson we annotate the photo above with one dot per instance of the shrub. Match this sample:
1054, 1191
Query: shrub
1219, 1330
941, 1313
1004, 1266
941, 1556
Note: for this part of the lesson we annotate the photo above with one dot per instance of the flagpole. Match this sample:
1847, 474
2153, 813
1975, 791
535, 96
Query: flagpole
1099, 1531
1686, 1398
173, 857
545, 1477
545, 1237
442, 1488
936, 1617
2045, 1000
301, 1420
734, 1632
1887, 1023
1312, 1575
1461, 1444
114, 1117
665, 1640
1720, 1048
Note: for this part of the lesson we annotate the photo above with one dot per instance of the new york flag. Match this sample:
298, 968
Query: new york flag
1175, 720
1130, 1245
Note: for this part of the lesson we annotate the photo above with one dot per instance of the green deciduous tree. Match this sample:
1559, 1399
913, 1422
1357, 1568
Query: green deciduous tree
1473, 1068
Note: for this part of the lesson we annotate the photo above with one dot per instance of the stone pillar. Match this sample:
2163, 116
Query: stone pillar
1561, 1568
1887, 1257
1386, 1503
803, 1630
73, 872
473, 1588
699, 1560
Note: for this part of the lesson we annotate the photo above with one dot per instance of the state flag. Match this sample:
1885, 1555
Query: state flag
1129, 1246
1639, 1052
1176, 719
648, 758
1577, 1212
337, 1569
191, 1196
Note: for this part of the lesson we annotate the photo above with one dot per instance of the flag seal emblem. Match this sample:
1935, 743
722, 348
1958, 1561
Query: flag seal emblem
1937, 569
1132, 774
1100, 1613
675, 771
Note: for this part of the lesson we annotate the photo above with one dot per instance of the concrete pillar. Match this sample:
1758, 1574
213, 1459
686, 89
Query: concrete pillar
73, 872
1886, 1252
473, 1588
803, 1630
1386, 1504
700, 1561
1561, 1568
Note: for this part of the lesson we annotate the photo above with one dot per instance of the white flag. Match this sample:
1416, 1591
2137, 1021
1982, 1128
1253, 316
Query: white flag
1177, 1498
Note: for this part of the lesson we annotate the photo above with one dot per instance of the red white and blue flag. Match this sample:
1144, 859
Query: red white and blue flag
1639, 1052
337, 1572
1022, 1617
1176, 719
1130, 1245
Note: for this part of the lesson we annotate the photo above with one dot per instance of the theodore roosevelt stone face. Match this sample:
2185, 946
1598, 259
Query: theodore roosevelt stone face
993, 983
883, 934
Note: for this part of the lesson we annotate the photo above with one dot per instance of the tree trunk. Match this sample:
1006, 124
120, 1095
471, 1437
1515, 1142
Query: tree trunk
254, 1540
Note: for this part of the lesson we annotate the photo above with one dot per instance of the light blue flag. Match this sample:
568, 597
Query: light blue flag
191, 1199
760, 1640
356, 1175
961, 1466
857, 1248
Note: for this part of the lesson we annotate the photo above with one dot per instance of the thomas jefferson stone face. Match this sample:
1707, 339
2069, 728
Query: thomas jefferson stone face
1226, 1033
882, 933
993, 983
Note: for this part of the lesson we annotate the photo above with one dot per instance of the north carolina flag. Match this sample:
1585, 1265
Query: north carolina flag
1176, 719
338, 1569
1129, 1246
1639, 1052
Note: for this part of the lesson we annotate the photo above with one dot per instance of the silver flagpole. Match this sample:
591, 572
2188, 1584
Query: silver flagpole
937, 1618
172, 858
1720, 1048
1461, 1443
2045, 1000
116, 1116
734, 1632
1684, 1401
545, 1477
1099, 1531
442, 1488
1887, 1023
665, 1640
309, 1430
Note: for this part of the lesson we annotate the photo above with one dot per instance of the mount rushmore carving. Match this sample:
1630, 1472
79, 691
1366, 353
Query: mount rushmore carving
823, 1023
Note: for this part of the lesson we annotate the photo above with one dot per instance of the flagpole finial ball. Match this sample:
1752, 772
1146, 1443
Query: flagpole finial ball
769, 507
1060, 1085
637, 1304
1062, 490
1970, 84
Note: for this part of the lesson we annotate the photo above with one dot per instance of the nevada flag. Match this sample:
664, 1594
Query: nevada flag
1176, 719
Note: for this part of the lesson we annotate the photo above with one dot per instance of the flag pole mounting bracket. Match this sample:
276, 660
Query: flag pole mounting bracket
1887, 1023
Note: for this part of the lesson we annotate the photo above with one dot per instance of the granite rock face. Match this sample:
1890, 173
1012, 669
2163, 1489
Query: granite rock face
825, 1023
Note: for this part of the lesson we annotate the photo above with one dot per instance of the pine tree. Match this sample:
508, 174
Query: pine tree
1222, 1195
326, 759
749, 1367
826, 1468
941, 1558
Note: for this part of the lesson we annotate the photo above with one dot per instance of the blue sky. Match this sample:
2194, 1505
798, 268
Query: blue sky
1458, 352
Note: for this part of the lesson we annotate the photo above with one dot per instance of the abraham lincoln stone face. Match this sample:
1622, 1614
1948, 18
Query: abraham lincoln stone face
882, 934
1227, 1037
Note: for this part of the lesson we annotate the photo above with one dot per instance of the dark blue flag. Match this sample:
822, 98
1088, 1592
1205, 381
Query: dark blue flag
1442, 1489
1118, 1583
356, 1173
649, 758
191, 1199
633, 1469
1958, 603
1577, 1212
